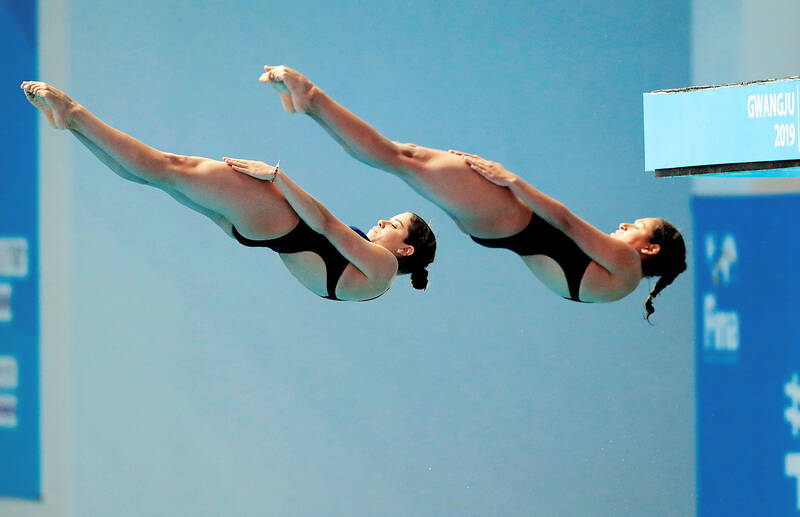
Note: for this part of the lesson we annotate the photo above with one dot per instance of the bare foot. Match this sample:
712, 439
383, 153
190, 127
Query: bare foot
295, 89
53, 103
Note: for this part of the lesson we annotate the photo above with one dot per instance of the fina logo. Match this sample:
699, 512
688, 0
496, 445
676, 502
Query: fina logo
720, 327
722, 263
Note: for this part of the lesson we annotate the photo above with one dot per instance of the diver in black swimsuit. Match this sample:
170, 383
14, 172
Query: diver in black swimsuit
303, 238
539, 238
259, 201
498, 209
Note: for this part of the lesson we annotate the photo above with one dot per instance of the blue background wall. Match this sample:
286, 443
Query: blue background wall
19, 252
744, 407
746, 355
207, 382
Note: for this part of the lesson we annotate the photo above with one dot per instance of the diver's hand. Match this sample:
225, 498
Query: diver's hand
492, 171
295, 89
253, 168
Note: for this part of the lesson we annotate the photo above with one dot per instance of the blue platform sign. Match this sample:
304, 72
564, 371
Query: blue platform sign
693, 127
747, 355
19, 248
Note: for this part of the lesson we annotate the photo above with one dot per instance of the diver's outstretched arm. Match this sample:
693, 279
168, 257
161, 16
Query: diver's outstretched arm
610, 253
549, 209
308, 208
374, 261
359, 139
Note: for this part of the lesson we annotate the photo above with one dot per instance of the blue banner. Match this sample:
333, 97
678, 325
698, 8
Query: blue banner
757, 122
19, 248
747, 355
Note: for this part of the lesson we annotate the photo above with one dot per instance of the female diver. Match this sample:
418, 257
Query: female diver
499, 210
259, 205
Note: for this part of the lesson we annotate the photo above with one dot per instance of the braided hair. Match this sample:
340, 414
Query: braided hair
667, 264
421, 237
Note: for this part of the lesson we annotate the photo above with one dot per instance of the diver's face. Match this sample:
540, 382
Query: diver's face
391, 233
637, 233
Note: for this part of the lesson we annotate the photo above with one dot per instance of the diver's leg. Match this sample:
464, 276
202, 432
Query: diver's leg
110, 162
254, 206
115, 166
478, 206
144, 163
359, 139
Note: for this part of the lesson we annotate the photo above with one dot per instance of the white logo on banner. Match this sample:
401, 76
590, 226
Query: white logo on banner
8, 411
720, 327
9, 372
721, 263
13, 256
792, 415
721, 273
5, 302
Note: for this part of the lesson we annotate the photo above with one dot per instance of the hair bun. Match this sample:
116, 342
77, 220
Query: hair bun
648, 305
419, 279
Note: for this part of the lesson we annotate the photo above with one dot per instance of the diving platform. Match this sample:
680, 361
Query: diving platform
742, 130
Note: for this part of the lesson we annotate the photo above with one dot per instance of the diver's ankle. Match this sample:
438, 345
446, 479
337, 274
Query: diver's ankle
315, 97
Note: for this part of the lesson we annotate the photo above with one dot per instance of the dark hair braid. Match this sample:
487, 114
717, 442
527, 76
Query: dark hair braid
421, 237
668, 263
419, 279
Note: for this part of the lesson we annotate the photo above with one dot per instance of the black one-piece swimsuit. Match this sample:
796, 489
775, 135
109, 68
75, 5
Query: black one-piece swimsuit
303, 238
542, 238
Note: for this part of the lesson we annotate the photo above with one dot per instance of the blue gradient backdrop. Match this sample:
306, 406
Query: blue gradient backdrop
208, 382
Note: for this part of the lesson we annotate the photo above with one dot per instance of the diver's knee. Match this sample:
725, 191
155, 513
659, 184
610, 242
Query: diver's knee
416, 159
181, 167
407, 150
410, 158
180, 163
